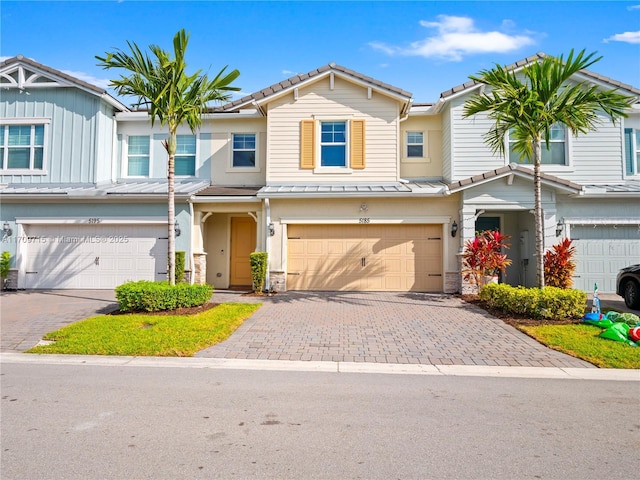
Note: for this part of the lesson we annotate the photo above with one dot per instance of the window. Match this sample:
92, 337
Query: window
138, 156
415, 144
244, 150
632, 151
333, 144
22, 147
554, 155
185, 159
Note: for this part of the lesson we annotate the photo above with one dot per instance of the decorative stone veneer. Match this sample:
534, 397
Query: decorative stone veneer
277, 280
452, 282
11, 282
200, 268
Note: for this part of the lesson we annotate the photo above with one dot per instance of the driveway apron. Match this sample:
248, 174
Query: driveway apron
380, 327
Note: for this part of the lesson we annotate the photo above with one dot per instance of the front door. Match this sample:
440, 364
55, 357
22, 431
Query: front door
243, 243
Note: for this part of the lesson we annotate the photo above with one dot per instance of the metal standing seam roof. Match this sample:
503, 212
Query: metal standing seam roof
629, 187
297, 79
158, 188
534, 58
382, 190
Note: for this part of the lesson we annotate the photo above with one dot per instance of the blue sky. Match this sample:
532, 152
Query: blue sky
422, 47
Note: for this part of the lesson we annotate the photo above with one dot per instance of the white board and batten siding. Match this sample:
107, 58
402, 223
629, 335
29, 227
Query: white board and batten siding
346, 101
77, 134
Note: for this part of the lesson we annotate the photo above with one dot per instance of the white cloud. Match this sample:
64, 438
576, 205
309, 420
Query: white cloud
634, 7
458, 37
85, 77
627, 37
288, 72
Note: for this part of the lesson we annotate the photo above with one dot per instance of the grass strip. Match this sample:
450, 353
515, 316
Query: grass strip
148, 335
583, 341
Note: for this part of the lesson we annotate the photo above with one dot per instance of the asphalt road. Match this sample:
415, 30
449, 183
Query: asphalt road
125, 422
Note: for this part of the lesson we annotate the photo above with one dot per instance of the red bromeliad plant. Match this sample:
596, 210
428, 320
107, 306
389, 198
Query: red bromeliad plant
482, 257
559, 265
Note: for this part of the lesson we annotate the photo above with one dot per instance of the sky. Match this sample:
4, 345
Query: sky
422, 47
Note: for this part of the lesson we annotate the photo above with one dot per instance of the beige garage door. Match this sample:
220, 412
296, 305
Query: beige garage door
365, 257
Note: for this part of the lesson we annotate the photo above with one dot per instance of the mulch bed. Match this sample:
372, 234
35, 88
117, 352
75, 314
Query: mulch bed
177, 311
516, 320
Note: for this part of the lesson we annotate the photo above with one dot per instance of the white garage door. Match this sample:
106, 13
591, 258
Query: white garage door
93, 256
365, 257
601, 252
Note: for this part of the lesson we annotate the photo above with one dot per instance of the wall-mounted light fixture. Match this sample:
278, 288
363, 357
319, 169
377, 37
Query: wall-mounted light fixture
176, 228
559, 228
363, 207
454, 229
272, 229
6, 230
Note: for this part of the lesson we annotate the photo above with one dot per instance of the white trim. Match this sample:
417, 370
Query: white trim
30, 122
196, 164
231, 168
124, 173
432, 220
86, 221
602, 221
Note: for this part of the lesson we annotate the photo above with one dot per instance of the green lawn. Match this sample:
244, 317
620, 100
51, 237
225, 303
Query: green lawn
582, 341
148, 335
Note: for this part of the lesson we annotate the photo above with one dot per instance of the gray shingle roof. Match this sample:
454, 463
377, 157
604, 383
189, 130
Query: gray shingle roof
297, 79
507, 170
20, 59
534, 58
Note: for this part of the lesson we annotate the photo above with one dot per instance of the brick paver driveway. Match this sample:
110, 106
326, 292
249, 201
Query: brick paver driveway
380, 327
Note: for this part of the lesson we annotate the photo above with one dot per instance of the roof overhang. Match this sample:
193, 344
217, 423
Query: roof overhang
386, 190
511, 171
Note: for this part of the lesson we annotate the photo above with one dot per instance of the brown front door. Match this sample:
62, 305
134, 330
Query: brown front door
243, 243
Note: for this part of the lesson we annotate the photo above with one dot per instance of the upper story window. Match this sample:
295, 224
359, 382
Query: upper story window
556, 154
632, 151
138, 156
244, 150
22, 147
185, 159
333, 144
415, 144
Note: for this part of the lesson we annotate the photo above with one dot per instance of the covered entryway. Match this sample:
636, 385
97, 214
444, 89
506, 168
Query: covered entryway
365, 257
243, 243
601, 251
92, 256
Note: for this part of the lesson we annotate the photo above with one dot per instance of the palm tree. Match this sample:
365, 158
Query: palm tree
526, 104
162, 86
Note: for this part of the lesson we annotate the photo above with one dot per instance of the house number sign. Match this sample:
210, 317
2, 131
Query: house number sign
95, 220
364, 220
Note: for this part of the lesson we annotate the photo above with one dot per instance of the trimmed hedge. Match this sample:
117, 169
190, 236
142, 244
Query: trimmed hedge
179, 267
146, 296
258, 270
549, 302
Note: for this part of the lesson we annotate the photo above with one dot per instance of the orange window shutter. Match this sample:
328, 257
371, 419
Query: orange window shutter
307, 144
357, 144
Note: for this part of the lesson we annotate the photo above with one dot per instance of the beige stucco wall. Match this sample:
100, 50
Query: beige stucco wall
378, 210
430, 165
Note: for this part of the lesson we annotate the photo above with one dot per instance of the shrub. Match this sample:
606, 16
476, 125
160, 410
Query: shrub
5, 264
559, 265
545, 303
482, 257
179, 267
146, 296
258, 270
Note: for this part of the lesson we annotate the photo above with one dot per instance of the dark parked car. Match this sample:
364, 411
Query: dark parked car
628, 286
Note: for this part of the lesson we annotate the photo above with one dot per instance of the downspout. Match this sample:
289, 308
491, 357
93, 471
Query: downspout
114, 150
267, 243
191, 257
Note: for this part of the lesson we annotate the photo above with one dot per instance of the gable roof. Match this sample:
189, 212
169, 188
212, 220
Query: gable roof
280, 88
472, 84
43, 76
514, 169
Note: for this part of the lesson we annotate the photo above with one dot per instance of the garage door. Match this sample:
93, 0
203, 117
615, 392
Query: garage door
601, 252
93, 256
365, 257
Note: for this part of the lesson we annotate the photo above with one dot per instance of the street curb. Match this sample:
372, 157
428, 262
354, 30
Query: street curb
328, 367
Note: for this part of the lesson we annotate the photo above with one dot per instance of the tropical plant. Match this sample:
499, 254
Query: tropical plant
527, 103
559, 265
258, 270
483, 257
161, 85
5, 266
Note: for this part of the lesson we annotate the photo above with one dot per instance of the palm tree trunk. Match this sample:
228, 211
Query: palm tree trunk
539, 221
171, 220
